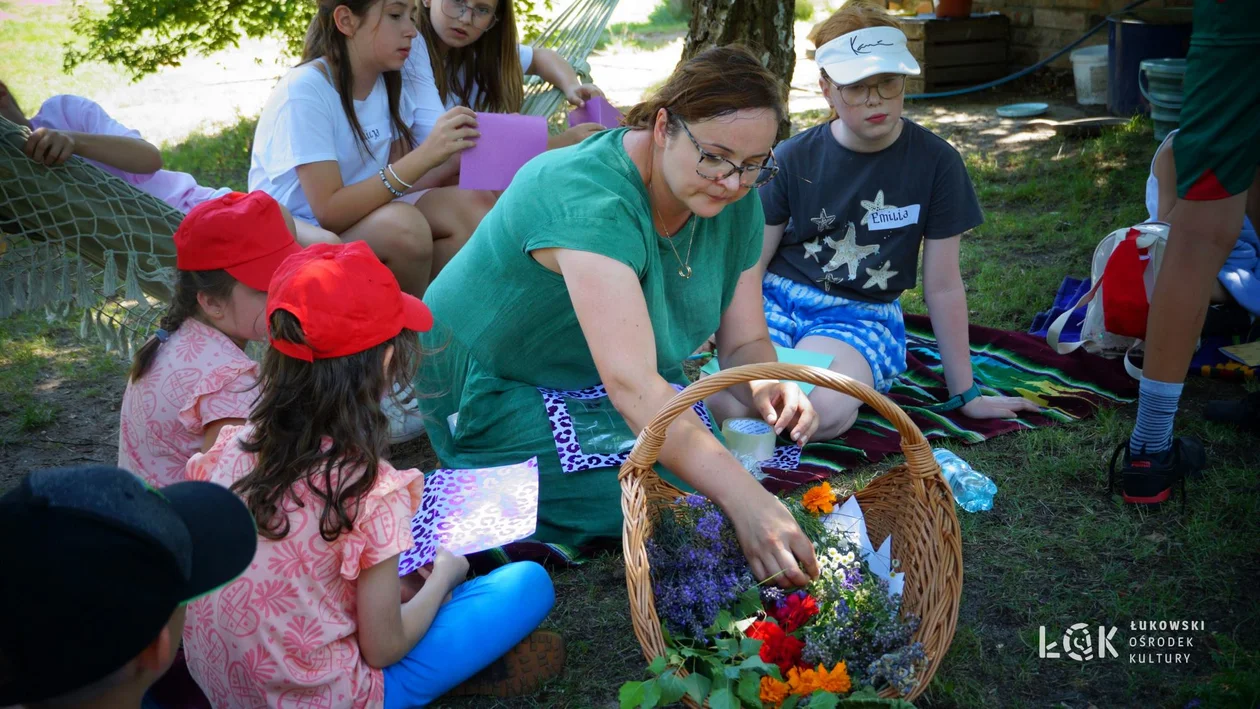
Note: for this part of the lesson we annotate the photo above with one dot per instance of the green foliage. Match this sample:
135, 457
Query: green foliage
804, 11
143, 36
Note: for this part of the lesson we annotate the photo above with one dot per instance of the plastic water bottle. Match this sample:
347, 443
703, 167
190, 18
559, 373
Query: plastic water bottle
972, 489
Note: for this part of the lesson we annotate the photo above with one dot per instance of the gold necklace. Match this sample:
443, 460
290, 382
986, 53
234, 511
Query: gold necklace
684, 266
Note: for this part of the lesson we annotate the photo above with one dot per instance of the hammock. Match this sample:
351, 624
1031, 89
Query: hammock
75, 235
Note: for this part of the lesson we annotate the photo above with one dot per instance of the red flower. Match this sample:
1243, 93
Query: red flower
777, 647
795, 611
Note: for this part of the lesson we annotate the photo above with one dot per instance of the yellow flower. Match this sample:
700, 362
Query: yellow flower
773, 692
820, 499
836, 681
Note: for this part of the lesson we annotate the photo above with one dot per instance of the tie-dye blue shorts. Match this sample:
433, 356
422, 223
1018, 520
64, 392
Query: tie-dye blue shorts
795, 311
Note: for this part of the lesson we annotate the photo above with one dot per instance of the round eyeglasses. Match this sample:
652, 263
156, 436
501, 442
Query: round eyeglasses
483, 18
717, 168
858, 94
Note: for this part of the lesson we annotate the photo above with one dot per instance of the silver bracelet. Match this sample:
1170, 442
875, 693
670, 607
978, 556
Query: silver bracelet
399, 180
385, 181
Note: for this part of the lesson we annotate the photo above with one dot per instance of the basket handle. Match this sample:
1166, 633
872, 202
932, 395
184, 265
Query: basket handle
648, 447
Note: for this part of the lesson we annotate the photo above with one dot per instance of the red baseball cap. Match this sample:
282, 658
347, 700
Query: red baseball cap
346, 300
243, 234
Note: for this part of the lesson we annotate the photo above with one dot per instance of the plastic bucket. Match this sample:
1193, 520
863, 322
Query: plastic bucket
1135, 36
1089, 68
1161, 82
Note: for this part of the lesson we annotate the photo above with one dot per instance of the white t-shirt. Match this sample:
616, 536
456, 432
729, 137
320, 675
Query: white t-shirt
419, 84
303, 122
80, 115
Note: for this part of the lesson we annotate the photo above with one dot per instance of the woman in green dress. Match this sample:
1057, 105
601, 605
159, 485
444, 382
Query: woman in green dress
563, 324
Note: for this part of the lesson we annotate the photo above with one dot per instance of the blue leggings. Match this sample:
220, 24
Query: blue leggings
484, 619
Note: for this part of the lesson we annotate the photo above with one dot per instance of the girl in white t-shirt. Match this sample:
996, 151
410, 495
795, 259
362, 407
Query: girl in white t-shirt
337, 140
466, 54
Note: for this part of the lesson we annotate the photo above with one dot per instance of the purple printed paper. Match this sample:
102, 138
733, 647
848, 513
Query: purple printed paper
596, 110
466, 511
507, 142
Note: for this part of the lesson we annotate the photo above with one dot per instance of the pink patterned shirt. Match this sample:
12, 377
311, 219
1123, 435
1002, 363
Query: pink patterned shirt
284, 634
198, 376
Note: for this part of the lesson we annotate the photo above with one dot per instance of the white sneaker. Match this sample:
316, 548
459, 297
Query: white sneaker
405, 421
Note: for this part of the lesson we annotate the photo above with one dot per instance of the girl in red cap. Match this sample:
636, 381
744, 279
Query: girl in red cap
192, 377
316, 619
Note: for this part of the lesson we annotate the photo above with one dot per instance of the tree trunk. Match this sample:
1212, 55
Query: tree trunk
764, 26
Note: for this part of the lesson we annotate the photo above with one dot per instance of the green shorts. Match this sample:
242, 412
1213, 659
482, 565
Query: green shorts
1218, 144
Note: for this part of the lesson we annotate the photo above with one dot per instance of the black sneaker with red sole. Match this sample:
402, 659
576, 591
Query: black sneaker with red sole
1149, 479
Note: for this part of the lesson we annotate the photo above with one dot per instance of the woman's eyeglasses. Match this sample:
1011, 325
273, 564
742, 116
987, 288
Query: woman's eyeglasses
717, 168
483, 18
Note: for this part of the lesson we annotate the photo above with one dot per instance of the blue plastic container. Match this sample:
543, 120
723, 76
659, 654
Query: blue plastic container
1137, 35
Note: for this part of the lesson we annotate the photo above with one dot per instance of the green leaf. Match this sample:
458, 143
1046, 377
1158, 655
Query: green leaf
790, 702
631, 695
731, 672
749, 602
651, 694
697, 686
723, 623
823, 700
727, 647
749, 690
672, 688
657, 666
750, 647
757, 664
723, 699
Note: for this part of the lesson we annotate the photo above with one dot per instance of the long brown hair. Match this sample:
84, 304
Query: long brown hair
716, 82
184, 305
492, 63
323, 39
319, 424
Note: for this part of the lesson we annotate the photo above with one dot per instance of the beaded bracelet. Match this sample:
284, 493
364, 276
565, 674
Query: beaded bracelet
385, 181
399, 180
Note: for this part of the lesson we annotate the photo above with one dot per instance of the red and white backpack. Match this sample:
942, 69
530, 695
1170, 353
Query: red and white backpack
1124, 269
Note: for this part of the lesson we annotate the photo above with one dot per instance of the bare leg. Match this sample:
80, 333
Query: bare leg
399, 236
453, 215
1200, 238
836, 412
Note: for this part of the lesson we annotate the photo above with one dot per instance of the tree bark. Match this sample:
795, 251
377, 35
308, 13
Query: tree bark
764, 26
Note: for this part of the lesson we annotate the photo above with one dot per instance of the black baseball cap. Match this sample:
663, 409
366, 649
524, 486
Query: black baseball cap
93, 562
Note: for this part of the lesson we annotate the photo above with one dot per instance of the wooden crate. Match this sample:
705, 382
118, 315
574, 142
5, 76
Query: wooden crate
957, 53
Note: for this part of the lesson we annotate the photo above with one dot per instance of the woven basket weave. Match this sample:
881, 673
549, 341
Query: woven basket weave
912, 502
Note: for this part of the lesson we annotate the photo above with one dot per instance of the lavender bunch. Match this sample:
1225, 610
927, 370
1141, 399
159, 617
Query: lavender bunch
698, 569
897, 668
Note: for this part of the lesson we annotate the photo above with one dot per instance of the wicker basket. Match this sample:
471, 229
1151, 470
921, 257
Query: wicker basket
912, 501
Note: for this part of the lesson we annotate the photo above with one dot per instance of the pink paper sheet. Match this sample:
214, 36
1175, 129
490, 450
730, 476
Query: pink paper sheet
507, 142
466, 511
596, 110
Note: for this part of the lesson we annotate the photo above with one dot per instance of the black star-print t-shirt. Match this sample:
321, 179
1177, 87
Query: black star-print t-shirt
855, 220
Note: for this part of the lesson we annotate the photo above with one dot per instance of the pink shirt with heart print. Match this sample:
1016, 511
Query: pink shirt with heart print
197, 377
284, 634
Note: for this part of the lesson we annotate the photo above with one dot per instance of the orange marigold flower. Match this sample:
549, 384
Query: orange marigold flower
820, 499
803, 682
773, 692
837, 680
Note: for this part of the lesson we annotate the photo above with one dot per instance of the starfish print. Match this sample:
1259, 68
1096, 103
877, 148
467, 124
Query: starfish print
874, 206
848, 252
879, 276
823, 220
812, 248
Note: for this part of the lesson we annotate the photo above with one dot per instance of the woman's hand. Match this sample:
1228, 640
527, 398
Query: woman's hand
998, 407
773, 543
453, 132
784, 406
579, 94
574, 135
